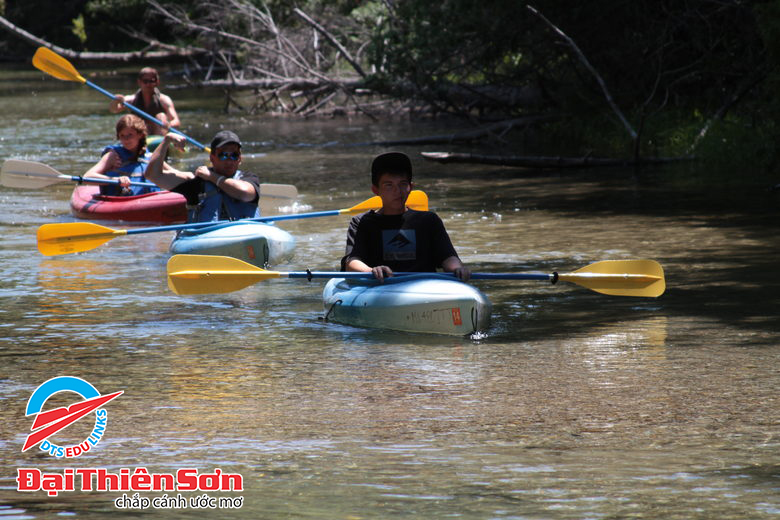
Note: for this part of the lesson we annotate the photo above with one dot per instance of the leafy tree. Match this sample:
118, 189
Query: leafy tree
691, 60
662, 69
431, 45
56, 26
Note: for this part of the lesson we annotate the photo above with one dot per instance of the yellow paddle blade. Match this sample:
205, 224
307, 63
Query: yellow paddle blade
206, 274
621, 278
73, 237
55, 65
417, 200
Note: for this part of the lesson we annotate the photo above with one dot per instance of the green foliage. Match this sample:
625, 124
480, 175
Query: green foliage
369, 13
668, 64
596, 136
448, 40
56, 26
107, 20
768, 17
768, 20
78, 28
736, 145
423, 49
732, 145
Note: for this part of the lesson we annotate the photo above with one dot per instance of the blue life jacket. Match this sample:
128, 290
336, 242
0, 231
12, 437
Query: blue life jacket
214, 204
131, 167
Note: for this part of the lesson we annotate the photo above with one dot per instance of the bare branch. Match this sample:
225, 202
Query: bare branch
235, 37
143, 55
592, 70
344, 52
732, 100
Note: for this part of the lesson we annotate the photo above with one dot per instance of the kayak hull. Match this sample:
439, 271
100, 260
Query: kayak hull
420, 304
164, 207
253, 242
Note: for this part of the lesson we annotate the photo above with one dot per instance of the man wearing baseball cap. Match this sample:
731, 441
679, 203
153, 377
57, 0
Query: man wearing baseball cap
218, 192
397, 238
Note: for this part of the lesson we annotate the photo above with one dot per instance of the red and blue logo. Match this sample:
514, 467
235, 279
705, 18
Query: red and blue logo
50, 422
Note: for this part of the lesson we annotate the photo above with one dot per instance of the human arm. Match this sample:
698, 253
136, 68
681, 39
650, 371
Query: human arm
116, 105
170, 112
357, 253
445, 255
237, 188
167, 168
450, 264
380, 272
109, 161
453, 265
162, 174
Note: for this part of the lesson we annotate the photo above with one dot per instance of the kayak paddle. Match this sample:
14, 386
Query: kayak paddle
55, 65
75, 237
16, 173
33, 175
205, 274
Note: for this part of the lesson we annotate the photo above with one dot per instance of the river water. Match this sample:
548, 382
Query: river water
573, 405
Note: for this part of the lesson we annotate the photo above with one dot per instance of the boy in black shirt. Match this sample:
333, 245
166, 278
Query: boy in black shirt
397, 238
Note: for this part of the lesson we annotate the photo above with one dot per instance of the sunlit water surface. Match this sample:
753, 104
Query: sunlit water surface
573, 405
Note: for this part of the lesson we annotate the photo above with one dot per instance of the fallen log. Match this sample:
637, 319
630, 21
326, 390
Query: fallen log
268, 83
145, 55
545, 162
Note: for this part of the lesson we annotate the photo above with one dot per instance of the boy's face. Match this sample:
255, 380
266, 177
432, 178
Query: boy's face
393, 189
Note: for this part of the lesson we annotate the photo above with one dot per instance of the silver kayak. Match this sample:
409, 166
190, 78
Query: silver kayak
253, 242
415, 303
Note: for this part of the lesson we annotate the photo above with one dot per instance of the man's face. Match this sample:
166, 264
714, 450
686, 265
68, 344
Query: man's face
226, 159
393, 189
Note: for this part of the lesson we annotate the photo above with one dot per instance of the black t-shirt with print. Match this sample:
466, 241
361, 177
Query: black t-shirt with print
414, 241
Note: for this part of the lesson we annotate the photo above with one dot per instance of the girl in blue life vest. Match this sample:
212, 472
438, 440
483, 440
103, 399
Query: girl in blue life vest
125, 161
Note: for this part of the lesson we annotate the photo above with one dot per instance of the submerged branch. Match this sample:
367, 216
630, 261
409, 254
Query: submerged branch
498, 129
545, 162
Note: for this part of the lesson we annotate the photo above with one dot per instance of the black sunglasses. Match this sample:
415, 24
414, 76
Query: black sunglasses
233, 156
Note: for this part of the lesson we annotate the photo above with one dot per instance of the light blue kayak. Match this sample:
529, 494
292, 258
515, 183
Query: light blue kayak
253, 242
153, 141
415, 303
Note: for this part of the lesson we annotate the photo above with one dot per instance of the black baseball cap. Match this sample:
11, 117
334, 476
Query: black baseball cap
224, 137
391, 162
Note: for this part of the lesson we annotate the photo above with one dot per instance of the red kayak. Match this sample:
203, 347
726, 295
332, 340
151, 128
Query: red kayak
160, 206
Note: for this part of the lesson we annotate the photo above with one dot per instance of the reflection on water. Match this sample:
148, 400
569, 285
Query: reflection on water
572, 405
